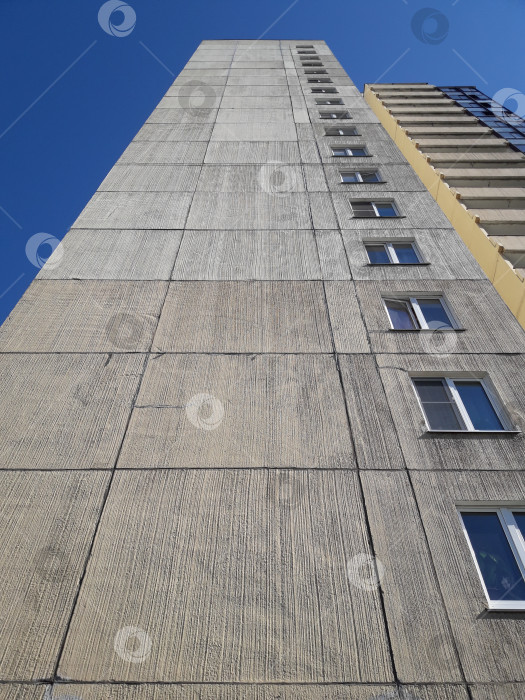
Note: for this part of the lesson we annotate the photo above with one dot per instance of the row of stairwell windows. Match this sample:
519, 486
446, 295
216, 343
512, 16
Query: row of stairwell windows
451, 404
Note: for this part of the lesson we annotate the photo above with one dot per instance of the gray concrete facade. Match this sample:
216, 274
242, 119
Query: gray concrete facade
217, 480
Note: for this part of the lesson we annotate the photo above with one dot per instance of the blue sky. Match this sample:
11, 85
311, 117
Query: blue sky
73, 96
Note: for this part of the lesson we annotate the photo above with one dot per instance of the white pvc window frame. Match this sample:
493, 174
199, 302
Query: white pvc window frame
390, 251
414, 310
376, 210
348, 151
359, 175
514, 538
459, 407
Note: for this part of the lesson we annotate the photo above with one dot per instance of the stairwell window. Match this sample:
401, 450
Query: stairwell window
319, 80
334, 115
341, 131
370, 210
358, 176
316, 72
349, 151
461, 405
392, 253
329, 101
496, 539
419, 313
326, 91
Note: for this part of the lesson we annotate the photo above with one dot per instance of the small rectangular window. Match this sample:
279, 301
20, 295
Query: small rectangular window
374, 209
349, 151
329, 101
496, 538
341, 131
334, 115
319, 80
324, 91
393, 253
316, 72
309, 52
304, 46
459, 405
419, 313
312, 63
358, 176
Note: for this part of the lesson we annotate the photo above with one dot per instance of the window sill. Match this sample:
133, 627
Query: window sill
427, 330
474, 432
419, 264
380, 182
378, 217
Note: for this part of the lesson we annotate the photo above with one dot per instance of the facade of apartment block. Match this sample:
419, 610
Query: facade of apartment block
262, 417
469, 152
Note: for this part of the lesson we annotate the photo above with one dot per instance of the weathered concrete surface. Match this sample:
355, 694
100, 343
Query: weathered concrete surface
47, 522
272, 603
265, 411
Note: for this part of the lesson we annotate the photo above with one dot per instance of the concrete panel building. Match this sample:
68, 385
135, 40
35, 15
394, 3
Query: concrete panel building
470, 153
262, 417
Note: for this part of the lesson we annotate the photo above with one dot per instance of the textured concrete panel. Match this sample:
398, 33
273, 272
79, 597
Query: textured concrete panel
182, 116
239, 64
255, 102
375, 438
270, 178
244, 317
239, 116
256, 80
169, 152
84, 316
243, 72
212, 210
475, 305
65, 411
15, 691
345, 318
256, 131
175, 132
246, 255
196, 94
315, 178
332, 255
309, 152
447, 255
285, 610
491, 647
423, 450
109, 210
151, 178
245, 152
257, 91
119, 254
207, 100
277, 411
417, 210
323, 215
507, 691
419, 629
47, 521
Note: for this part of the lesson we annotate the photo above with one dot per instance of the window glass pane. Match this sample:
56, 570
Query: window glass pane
349, 177
478, 405
437, 404
519, 517
386, 209
363, 209
400, 315
434, 313
377, 254
339, 151
359, 151
496, 561
406, 253
370, 177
